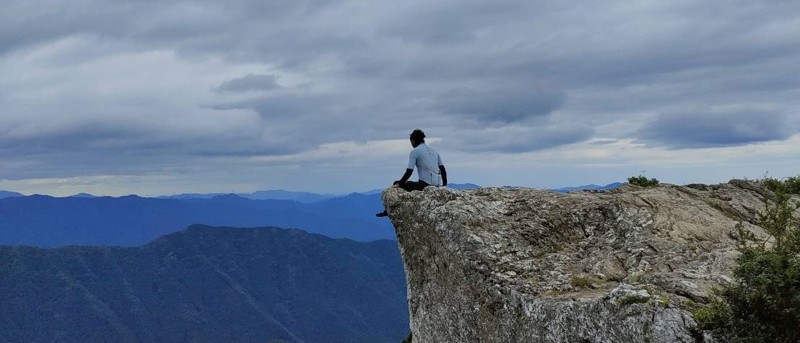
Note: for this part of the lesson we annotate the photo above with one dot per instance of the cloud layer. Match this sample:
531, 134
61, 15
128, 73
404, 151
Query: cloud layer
717, 128
135, 88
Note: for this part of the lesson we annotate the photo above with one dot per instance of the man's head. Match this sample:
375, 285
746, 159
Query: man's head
417, 137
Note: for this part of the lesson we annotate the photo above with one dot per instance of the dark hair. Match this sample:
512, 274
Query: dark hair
418, 135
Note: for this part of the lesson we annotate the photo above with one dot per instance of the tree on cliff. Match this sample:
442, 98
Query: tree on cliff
763, 303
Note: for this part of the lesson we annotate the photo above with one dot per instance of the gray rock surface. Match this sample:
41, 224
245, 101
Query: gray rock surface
524, 265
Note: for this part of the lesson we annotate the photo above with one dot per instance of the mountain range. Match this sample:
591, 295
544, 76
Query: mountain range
307, 197
84, 219
207, 284
8, 194
279, 194
46, 221
302, 197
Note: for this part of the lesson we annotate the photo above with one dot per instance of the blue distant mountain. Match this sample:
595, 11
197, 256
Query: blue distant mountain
46, 221
191, 196
7, 194
463, 186
589, 187
303, 197
83, 195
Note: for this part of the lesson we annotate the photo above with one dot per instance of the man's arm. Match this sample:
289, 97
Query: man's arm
444, 175
406, 176
412, 162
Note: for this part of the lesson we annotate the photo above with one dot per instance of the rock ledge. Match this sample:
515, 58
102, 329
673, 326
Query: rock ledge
524, 265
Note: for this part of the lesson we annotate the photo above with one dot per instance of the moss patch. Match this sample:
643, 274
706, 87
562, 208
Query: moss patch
632, 299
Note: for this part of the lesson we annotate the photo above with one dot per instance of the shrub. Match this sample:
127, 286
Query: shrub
643, 181
792, 184
763, 302
789, 185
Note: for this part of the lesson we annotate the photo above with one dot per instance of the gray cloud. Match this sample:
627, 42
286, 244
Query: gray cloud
502, 105
285, 106
517, 139
716, 129
148, 22
116, 145
249, 83
196, 79
446, 23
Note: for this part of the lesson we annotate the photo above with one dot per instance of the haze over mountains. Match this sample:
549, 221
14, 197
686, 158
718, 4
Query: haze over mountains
206, 284
303, 197
83, 219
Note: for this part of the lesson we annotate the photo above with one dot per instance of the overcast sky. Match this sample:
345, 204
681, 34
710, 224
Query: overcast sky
163, 97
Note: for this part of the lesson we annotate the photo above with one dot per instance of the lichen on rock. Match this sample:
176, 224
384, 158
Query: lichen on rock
525, 265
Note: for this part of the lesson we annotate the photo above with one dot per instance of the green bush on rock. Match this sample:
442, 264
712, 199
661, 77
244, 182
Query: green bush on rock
763, 302
642, 181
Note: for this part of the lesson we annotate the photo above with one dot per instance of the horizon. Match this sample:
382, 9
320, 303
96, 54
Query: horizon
331, 195
155, 98
238, 193
66, 194
71, 191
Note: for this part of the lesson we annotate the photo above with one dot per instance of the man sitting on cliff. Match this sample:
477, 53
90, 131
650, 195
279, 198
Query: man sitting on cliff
429, 166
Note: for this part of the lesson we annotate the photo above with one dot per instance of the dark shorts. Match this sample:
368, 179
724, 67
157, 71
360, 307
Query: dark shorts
413, 185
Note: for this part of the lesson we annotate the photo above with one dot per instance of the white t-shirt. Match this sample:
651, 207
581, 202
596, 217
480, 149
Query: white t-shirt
427, 161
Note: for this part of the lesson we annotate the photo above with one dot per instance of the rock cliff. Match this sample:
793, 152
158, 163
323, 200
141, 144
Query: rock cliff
524, 265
